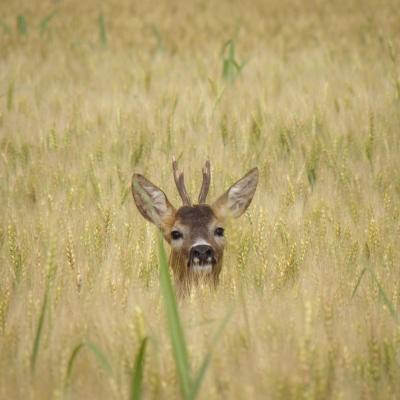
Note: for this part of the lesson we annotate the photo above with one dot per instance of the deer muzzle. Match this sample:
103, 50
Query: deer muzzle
202, 258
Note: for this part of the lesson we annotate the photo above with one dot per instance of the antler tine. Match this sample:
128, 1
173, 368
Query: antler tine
205, 186
180, 183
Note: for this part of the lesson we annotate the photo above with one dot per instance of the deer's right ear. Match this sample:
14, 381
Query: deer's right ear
151, 201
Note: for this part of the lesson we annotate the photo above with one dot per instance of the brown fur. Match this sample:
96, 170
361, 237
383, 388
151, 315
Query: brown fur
197, 224
200, 221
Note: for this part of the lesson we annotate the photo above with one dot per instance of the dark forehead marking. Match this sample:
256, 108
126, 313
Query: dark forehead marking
199, 214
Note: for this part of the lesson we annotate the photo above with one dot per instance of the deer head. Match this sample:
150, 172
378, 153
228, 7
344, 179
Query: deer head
194, 231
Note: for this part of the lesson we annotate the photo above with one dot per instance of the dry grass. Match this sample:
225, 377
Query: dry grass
317, 107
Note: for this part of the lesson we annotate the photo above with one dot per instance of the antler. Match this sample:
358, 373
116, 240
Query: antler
205, 186
180, 183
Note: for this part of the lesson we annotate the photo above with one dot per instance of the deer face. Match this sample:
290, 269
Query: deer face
195, 232
198, 237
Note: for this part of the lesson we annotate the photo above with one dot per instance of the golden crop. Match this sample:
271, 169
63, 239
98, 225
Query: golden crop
308, 91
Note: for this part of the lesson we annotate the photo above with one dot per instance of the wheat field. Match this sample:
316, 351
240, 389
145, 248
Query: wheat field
308, 91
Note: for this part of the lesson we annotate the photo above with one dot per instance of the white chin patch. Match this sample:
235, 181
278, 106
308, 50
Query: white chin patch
201, 269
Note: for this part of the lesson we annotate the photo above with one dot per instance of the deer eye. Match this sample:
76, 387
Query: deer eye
219, 232
175, 235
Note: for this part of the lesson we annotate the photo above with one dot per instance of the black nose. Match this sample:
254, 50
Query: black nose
203, 252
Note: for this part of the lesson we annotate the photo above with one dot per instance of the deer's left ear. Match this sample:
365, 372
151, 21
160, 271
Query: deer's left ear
234, 202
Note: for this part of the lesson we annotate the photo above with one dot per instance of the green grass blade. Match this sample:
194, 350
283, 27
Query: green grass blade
242, 65
101, 358
44, 23
224, 46
137, 373
21, 25
102, 31
71, 361
198, 379
382, 292
10, 96
358, 282
6, 28
384, 296
226, 68
231, 68
39, 330
231, 50
174, 323
236, 65
157, 34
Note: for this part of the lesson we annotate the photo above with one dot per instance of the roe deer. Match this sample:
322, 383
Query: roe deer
195, 232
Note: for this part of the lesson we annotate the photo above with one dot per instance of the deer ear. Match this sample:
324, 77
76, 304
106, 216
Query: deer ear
151, 201
234, 202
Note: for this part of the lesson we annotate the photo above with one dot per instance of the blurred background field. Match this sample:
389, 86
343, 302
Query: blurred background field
308, 91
